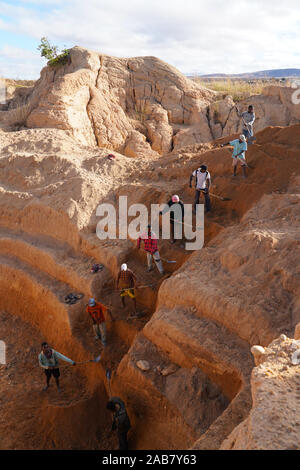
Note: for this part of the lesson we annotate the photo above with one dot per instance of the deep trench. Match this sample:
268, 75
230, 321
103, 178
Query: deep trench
60, 422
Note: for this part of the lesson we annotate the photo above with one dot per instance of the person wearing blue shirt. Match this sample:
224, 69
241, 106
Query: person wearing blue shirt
238, 154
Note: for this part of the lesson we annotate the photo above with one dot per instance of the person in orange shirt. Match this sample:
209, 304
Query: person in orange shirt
97, 311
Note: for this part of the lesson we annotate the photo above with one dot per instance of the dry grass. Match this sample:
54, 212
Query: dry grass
18, 83
238, 89
18, 116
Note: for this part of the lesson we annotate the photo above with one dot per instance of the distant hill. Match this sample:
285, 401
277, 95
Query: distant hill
275, 73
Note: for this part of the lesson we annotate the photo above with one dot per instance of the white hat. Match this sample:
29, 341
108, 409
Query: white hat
175, 198
243, 138
124, 267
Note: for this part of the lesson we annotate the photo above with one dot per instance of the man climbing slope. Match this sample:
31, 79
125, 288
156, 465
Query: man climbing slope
126, 280
202, 185
238, 154
248, 118
151, 248
97, 311
49, 361
176, 208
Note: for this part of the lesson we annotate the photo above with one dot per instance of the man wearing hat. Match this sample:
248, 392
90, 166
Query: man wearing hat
126, 281
238, 154
202, 185
97, 311
176, 208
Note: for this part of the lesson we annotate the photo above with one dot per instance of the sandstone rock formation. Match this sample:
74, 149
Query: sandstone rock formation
139, 106
197, 325
99, 98
241, 290
274, 107
273, 422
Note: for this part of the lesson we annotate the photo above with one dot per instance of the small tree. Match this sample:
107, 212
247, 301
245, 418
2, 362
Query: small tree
51, 53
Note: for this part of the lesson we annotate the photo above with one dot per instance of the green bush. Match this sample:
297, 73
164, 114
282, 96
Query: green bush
51, 53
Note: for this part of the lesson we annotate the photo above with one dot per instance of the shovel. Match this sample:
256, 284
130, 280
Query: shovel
97, 359
108, 376
168, 261
220, 197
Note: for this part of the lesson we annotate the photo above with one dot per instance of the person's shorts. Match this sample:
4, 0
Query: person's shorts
236, 160
54, 372
130, 292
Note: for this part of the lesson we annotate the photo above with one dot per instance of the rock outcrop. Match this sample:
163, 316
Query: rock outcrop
99, 99
274, 107
273, 422
139, 106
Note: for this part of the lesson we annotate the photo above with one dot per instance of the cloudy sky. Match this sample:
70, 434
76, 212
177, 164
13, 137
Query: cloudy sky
196, 36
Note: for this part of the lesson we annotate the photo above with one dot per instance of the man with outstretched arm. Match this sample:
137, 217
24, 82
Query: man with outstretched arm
238, 154
49, 361
202, 185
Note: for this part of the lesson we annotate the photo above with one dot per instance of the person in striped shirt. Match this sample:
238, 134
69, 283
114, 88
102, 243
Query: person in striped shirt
151, 247
126, 280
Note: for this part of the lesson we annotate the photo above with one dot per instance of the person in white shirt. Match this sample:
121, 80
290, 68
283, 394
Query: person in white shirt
202, 185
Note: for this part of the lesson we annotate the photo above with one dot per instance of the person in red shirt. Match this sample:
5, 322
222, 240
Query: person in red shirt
151, 248
97, 311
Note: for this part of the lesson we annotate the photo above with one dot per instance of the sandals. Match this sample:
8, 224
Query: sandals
73, 298
96, 268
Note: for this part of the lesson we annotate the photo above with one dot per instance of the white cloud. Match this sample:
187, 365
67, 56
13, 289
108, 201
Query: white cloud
19, 63
194, 35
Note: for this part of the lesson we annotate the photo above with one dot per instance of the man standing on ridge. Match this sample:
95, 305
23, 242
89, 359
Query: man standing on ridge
49, 361
126, 280
238, 154
176, 208
202, 185
151, 248
248, 121
97, 311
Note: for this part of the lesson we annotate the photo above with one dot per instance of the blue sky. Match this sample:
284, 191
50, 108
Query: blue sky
196, 36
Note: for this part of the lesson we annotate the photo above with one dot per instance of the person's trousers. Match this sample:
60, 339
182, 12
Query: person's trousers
157, 261
123, 443
100, 331
207, 199
249, 135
